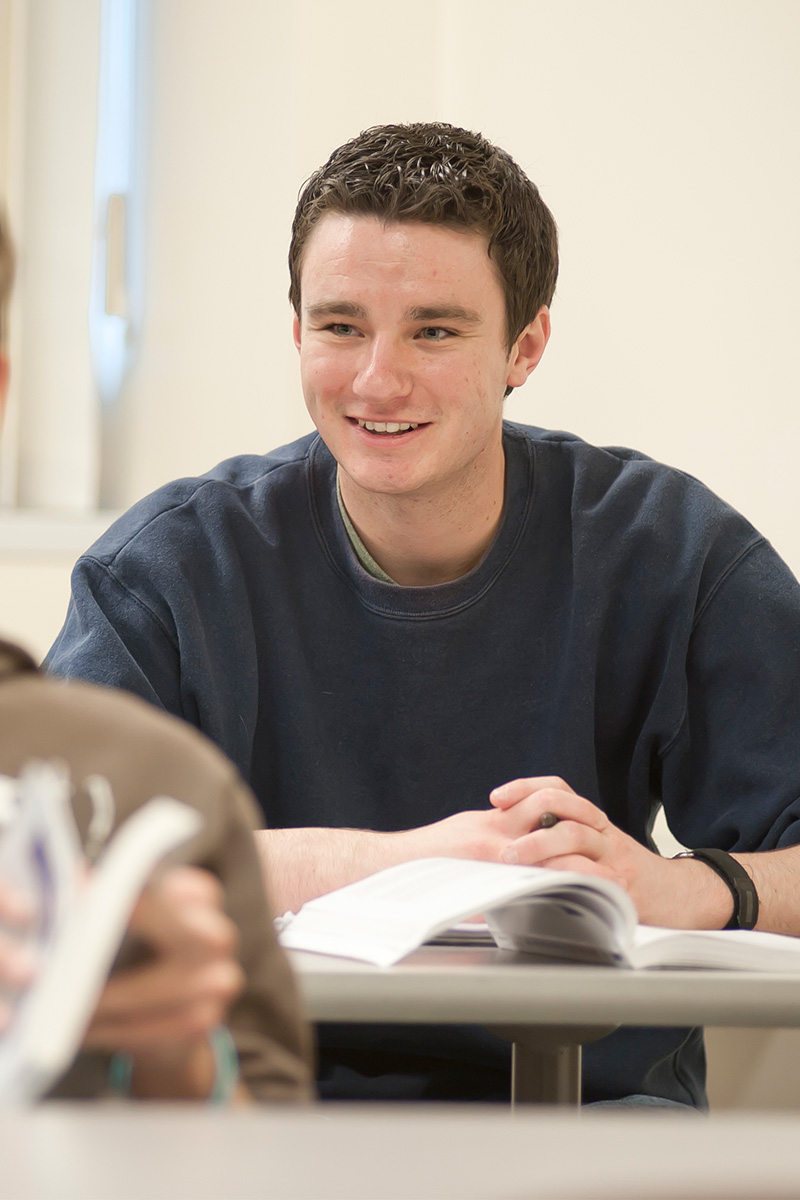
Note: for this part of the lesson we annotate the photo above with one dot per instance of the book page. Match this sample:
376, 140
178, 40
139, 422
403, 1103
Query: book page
464, 933
722, 949
578, 925
382, 918
51, 1016
40, 852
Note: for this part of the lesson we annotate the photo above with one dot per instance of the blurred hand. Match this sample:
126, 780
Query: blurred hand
17, 961
162, 1010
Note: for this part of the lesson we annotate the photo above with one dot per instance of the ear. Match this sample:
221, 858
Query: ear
528, 348
296, 329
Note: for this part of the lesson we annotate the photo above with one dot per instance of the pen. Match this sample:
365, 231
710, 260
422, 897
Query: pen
547, 820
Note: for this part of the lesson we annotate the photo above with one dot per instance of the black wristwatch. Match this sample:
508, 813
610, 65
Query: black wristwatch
742, 888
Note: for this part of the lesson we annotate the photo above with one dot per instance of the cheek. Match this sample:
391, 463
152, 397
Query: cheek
453, 381
321, 373
490, 382
475, 377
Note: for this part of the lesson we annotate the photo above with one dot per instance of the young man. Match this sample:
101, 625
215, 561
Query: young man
202, 965
423, 628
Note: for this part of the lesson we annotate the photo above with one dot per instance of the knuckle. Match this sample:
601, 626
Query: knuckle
550, 784
229, 934
203, 1017
546, 796
232, 979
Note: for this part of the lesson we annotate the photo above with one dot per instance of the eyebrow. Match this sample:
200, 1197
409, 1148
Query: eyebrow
433, 312
338, 308
445, 312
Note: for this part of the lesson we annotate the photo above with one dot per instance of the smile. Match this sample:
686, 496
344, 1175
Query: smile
388, 426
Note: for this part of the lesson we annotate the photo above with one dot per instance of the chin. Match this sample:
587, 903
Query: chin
378, 484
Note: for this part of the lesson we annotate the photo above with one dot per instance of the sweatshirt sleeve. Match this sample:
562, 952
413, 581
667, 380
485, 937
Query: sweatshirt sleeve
730, 777
112, 636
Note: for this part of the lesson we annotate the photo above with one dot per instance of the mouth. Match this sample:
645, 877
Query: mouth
387, 428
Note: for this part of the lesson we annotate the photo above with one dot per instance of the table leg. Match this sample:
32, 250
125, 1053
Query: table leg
545, 1076
546, 1060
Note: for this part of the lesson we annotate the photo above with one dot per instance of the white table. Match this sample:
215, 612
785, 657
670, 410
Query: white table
347, 1152
548, 1012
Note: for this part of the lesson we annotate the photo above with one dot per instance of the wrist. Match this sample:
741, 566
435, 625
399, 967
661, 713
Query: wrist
184, 1073
737, 880
408, 844
206, 1070
702, 900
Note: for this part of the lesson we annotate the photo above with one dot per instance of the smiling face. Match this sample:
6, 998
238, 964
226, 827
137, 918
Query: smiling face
403, 356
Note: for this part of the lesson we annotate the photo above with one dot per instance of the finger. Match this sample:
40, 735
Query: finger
163, 987
567, 837
160, 1030
526, 816
178, 888
156, 1004
585, 866
16, 909
186, 883
181, 913
511, 793
17, 964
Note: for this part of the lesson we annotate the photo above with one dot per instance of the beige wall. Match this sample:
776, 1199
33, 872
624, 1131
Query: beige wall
34, 591
753, 1068
664, 137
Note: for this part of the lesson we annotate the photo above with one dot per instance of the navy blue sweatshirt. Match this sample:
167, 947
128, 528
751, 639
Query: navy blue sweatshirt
626, 630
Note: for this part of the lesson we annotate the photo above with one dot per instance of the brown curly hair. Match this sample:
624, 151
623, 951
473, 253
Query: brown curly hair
438, 174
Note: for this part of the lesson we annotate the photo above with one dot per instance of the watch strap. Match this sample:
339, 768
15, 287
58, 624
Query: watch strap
742, 888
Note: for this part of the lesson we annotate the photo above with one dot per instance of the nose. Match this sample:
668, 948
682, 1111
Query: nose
383, 374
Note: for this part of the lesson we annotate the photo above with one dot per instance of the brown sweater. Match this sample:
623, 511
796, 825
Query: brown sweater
143, 754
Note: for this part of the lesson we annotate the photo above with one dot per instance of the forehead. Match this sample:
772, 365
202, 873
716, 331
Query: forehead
362, 252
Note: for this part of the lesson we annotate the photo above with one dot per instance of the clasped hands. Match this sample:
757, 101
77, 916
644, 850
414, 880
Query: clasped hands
582, 840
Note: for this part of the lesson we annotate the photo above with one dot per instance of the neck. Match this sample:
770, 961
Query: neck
424, 539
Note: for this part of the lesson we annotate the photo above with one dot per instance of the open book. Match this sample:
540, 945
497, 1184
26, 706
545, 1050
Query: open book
81, 915
554, 915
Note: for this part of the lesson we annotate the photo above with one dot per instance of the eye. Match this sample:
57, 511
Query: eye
340, 329
434, 333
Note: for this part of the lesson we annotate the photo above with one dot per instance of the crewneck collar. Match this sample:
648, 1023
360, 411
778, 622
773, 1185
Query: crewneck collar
435, 600
369, 564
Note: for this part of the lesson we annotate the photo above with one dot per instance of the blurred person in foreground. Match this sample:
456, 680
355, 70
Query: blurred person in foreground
210, 1009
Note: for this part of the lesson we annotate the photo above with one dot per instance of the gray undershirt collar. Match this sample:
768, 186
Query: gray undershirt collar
364, 557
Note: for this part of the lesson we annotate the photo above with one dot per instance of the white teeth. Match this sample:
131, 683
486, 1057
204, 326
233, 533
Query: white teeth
387, 426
